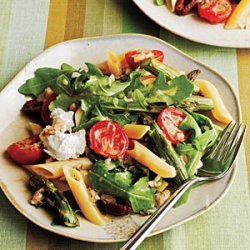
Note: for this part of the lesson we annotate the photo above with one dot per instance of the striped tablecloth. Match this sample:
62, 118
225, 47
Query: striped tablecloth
27, 27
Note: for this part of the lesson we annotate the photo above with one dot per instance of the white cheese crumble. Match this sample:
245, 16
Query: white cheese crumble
57, 143
63, 146
59, 115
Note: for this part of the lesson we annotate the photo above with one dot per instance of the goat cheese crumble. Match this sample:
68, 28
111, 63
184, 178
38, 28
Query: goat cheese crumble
61, 145
59, 114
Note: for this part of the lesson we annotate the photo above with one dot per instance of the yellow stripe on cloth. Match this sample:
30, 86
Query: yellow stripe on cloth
56, 22
75, 19
243, 59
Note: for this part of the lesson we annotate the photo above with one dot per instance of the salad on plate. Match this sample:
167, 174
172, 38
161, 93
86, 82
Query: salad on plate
115, 138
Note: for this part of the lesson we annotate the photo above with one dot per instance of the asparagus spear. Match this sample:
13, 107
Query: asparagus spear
154, 66
55, 199
163, 147
197, 103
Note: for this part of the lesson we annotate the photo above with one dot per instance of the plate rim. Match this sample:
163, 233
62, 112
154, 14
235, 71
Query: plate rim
234, 45
229, 183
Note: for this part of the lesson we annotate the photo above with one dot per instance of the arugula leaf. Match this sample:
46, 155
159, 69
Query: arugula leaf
135, 82
179, 89
62, 101
140, 195
189, 123
103, 86
172, 92
98, 113
79, 83
209, 132
86, 106
67, 67
159, 83
62, 85
44, 77
121, 118
95, 116
93, 70
193, 156
139, 98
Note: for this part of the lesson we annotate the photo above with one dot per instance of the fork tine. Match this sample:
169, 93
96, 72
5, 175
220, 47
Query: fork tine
230, 141
236, 144
224, 136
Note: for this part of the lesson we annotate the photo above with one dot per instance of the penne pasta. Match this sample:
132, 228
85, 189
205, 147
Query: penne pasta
134, 131
114, 64
54, 170
220, 111
150, 160
83, 197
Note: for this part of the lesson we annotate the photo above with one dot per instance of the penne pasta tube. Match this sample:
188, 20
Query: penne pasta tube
134, 131
220, 112
83, 197
54, 170
150, 160
114, 64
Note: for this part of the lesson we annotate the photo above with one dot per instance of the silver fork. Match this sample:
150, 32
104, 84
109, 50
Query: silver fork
222, 156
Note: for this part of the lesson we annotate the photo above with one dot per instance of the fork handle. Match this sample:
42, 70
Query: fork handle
136, 239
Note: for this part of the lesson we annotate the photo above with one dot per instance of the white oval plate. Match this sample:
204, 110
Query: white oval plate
14, 127
194, 28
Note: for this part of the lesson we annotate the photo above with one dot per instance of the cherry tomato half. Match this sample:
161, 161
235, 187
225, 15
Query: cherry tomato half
135, 57
45, 113
107, 138
27, 151
169, 120
215, 11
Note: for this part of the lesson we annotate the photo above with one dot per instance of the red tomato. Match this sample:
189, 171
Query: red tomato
215, 11
107, 138
169, 120
27, 151
135, 57
45, 113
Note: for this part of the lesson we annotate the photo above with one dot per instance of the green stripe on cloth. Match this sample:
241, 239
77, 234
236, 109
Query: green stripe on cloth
25, 38
112, 20
93, 25
4, 21
13, 226
243, 59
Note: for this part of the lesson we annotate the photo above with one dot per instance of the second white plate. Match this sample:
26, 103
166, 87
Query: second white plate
193, 28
